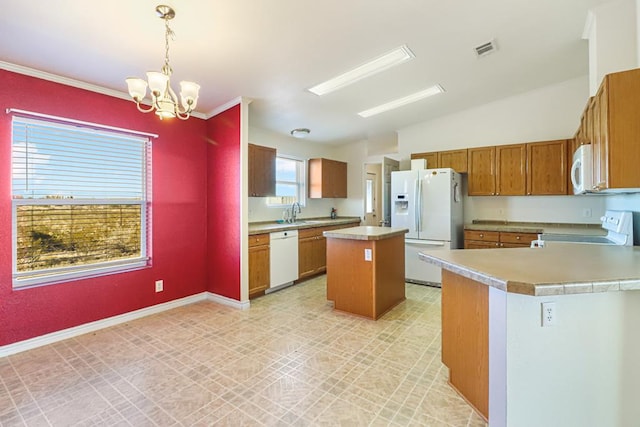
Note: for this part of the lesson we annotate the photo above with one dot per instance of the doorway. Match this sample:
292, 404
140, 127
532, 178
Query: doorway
371, 194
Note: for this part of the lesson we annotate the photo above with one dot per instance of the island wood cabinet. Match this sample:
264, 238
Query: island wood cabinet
327, 179
262, 171
481, 239
616, 131
454, 159
259, 270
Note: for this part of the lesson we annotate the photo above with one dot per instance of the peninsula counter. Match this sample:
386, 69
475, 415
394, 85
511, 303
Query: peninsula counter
581, 371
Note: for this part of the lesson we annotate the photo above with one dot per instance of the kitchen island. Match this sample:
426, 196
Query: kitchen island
365, 269
582, 370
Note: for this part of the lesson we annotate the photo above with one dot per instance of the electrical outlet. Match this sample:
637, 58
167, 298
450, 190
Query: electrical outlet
549, 316
367, 255
159, 285
586, 213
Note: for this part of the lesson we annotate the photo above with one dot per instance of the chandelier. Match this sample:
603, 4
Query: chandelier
163, 99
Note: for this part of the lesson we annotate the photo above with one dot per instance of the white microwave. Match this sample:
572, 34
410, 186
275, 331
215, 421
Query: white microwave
582, 170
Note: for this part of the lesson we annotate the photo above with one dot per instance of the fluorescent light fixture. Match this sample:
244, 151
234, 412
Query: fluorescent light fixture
384, 62
433, 90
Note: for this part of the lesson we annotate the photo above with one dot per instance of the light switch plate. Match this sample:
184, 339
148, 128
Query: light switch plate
367, 255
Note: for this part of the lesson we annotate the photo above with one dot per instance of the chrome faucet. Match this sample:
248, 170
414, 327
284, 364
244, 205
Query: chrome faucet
293, 210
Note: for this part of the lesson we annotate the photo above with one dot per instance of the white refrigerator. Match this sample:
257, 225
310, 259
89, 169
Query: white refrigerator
429, 203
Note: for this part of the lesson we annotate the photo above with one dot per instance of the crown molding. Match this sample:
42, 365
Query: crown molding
227, 105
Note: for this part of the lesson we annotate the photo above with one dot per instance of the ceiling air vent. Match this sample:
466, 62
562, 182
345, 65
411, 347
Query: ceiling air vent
486, 48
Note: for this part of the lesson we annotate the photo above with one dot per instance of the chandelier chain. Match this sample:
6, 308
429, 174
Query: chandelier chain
168, 33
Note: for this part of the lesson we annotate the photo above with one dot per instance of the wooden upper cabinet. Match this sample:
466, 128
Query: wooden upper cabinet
454, 159
431, 158
547, 168
511, 177
481, 171
616, 131
262, 171
327, 179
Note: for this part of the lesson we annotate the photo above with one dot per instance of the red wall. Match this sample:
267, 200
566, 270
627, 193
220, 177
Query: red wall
179, 209
223, 221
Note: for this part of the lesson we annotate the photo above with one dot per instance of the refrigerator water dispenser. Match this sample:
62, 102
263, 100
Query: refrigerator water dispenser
401, 204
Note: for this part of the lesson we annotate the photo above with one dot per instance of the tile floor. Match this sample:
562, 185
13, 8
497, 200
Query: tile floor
288, 360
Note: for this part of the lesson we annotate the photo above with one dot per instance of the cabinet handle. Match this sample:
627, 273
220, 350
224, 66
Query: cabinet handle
497, 194
481, 235
517, 237
501, 244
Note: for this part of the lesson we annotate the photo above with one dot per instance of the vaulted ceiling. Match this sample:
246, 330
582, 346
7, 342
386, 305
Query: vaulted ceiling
273, 51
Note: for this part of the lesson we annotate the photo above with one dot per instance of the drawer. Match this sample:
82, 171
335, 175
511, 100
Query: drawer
524, 239
258, 240
487, 236
479, 244
305, 233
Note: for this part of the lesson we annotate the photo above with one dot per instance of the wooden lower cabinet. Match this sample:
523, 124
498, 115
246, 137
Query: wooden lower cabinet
259, 270
312, 250
480, 239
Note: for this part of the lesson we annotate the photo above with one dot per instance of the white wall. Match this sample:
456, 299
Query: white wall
613, 42
552, 112
586, 365
300, 148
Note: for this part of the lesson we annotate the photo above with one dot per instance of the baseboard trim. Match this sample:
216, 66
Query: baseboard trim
220, 299
64, 334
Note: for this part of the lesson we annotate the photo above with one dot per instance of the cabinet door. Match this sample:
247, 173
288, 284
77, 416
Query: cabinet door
262, 171
482, 175
327, 178
431, 158
337, 179
259, 273
547, 168
455, 159
306, 262
618, 155
511, 175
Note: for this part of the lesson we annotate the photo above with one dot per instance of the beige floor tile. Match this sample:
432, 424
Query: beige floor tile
290, 360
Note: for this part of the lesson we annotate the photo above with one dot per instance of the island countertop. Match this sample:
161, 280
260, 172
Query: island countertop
556, 269
365, 233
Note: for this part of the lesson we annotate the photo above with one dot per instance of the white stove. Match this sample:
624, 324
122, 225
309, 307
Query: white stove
618, 224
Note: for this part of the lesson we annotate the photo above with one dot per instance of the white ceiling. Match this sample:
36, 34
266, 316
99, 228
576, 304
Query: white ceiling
272, 51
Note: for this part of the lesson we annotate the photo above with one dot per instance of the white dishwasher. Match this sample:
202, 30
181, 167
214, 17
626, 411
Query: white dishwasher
283, 258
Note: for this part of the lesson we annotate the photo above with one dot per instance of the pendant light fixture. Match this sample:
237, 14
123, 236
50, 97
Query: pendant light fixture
163, 99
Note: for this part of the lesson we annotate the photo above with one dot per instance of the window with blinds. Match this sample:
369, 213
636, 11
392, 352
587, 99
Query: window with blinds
290, 182
79, 201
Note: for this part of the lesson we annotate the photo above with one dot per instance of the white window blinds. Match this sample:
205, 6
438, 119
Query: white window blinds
79, 201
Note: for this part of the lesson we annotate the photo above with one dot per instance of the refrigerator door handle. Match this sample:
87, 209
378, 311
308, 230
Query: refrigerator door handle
416, 205
419, 205
418, 242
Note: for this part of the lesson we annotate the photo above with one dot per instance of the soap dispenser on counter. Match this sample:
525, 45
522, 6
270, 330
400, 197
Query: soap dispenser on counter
334, 213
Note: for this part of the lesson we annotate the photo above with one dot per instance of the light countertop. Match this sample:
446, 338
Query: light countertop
536, 227
365, 233
556, 269
301, 223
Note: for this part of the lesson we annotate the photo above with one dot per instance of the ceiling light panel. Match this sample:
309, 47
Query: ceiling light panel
381, 63
391, 105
